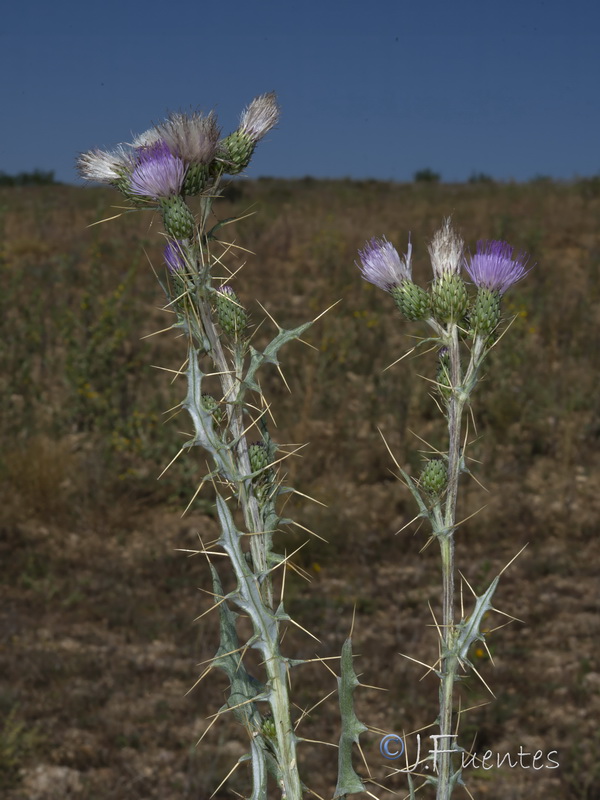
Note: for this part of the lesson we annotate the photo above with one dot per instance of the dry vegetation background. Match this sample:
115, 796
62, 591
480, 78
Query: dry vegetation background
98, 644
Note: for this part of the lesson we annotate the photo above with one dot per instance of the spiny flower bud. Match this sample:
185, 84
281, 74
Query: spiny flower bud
178, 220
493, 270
235, 151
259, 456
434, 477
212, 406
268, 728
484, 316
174, 254
260, 460
411, 300
449, 298
230, 313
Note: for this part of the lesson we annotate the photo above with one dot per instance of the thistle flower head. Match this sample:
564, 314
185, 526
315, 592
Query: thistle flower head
446, 251
382, 265
260, 116
158, 173
105, 166
193, 137
174, 256
493, 266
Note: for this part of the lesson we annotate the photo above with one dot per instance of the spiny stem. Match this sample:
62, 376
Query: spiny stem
446, 539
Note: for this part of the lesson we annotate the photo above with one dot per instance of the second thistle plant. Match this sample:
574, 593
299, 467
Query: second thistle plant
464, 330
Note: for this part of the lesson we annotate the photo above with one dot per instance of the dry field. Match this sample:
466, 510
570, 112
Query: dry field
98, 643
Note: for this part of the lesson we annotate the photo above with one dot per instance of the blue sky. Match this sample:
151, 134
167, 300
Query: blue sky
373, 89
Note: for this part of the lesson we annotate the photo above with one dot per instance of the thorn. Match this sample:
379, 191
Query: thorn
320, 741
414, 519
488, 652
207, 730
389, 450
511, 618
155, 333
201, 678
376, 688
473, 592
482, 680
398, 360
435, 622
286, 384
208, 610
196, 493
108, 219
433, 449
308, 497
308, 344
231, 771
315, 794
353, 620
173, 460
308, 530
466, 519
297, 624
473, 708
312, 708
318, 658
512, 559
422, 663
362, 755
322, 314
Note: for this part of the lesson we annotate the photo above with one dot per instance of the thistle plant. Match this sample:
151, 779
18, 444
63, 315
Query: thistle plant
178, 159
465, 328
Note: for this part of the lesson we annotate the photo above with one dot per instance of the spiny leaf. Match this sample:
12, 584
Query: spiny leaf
470, 629
348, 781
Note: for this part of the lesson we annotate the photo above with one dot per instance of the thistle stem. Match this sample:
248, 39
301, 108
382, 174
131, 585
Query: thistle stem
446, 539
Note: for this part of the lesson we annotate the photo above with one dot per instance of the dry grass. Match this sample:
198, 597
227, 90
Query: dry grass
98, 645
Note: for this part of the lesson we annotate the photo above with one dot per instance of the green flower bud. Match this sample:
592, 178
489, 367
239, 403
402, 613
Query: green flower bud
230, 312
260, 460
197, 179
236, 151
178, 220
211, 405
484, 316
411, 300
449, 297
434, 477
268, 728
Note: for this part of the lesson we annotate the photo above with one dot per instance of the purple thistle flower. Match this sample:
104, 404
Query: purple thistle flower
381, 264
158, 172
493, 266
175, 256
